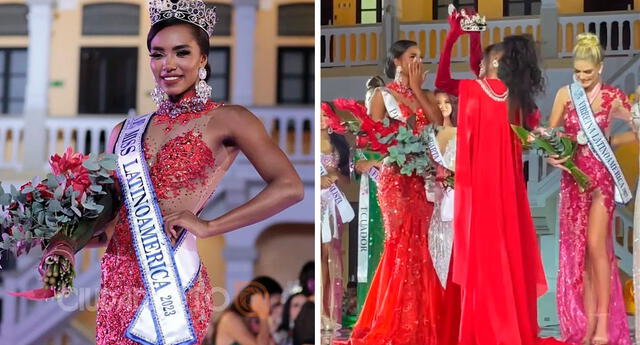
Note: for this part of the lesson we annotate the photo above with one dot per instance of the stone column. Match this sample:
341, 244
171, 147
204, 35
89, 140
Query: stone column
244, 27
390, 27
40, 20
549, 25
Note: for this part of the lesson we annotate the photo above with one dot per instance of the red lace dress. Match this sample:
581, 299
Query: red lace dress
184, 174
574, 218
402, 306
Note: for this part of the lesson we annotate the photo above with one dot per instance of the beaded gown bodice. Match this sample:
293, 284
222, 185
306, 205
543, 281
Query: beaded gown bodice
184, 172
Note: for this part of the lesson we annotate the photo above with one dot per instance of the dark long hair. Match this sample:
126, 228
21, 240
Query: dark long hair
397, 49
307, 273
286, 313
341, 145
201, 36
521, 74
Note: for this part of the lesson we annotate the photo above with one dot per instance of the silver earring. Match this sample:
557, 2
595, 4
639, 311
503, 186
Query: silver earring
398, 75
495, 63
203, 90
158, 95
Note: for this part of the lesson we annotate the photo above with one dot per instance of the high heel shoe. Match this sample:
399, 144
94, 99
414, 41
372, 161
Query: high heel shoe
601, 340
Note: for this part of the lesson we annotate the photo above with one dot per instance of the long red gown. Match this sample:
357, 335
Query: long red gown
496, 256
403, 306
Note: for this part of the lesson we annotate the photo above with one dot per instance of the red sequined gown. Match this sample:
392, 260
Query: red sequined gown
402, 306
496, 256
574, 218
184, 174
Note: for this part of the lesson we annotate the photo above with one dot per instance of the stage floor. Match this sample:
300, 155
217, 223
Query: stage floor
548, 331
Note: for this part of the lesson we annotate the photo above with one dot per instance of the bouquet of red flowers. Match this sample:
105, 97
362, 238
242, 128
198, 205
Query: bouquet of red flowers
59, 214
405, 145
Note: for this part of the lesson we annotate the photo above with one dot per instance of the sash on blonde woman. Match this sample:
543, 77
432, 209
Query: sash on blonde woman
598, 142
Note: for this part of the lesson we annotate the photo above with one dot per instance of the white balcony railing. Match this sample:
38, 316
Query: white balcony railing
290, 127
617, 31
360, 45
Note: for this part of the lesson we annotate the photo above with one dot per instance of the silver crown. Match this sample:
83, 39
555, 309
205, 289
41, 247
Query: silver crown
470, 22
190, 11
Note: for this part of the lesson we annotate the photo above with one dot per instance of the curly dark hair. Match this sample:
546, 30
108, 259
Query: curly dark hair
397, 49
519, 70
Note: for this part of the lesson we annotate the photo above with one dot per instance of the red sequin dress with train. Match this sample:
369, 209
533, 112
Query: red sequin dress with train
184, 173
402, 306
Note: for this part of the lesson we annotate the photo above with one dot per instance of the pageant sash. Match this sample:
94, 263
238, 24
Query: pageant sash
163, 316
344, 208
391, 105
433, 148
363, 231
598, 142
372, 174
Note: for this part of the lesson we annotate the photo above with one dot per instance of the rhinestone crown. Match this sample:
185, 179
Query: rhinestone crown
190, 11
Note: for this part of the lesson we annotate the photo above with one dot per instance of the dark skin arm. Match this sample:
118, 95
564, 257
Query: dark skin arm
284, 187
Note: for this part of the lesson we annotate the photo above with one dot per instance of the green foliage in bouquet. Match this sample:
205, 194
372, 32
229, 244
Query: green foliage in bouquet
551, 143
409, 151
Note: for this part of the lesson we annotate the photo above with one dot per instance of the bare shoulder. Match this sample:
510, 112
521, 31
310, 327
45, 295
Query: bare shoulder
229, 319
563, 94
232, 116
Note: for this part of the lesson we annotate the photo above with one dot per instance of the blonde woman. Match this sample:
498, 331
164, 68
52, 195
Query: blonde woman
589, 296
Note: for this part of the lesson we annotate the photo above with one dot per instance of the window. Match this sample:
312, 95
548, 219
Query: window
220, 67
13, 79
441, 7
369, 12
223, 16
296, 75
111, 19
296, 20
108, 80
13, 20
521, 7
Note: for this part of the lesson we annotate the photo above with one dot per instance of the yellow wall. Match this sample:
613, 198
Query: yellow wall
415, 11
67, 40
266, 53
570, 6
490, 8
344, 12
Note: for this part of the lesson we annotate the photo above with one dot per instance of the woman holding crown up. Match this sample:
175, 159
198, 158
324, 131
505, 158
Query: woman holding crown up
169, 164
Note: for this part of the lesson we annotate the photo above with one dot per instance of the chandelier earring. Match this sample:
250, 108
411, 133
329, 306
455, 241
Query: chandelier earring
495, 63
158, 95
398, 76
203, 90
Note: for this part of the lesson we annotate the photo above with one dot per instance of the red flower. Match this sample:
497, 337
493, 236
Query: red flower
70, 165
29, 196
69, 161
44, 191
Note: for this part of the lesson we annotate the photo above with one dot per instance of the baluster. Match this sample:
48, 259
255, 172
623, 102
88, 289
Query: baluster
298, 149
66, 137
620, 33
17, 130
3, 140
81, 136
283, 133
95, 138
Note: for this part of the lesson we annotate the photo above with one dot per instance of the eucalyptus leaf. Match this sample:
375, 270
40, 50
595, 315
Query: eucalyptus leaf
5, 199
108, 164
54, 205
76, 211
91, 165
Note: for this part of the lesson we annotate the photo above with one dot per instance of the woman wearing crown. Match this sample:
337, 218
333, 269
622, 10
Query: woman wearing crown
169, 164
